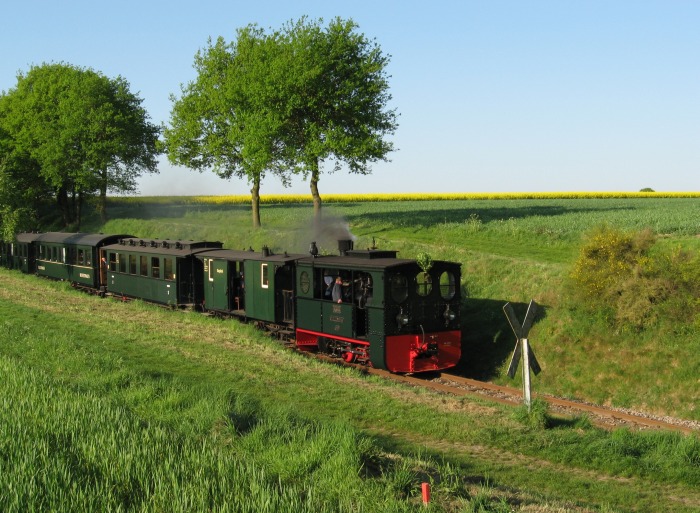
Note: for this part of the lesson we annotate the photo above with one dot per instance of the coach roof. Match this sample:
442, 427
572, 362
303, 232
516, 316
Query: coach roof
163, 246
83, 239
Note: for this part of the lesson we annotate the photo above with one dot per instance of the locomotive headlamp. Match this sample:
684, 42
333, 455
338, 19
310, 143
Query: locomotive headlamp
449, 315
401, 318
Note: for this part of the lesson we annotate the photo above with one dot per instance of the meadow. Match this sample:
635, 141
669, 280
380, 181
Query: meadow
511, 250
127, 407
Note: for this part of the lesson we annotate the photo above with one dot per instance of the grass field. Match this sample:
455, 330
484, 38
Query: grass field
235, 423
511, 251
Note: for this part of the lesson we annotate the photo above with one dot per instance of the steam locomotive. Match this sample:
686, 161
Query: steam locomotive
361, 305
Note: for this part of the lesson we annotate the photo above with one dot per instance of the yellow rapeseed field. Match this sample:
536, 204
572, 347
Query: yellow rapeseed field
346, 198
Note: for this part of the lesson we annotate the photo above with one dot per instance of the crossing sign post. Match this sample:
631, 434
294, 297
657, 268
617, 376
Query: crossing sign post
522, 348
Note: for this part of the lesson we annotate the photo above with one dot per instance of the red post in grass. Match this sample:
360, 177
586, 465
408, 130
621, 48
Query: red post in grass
426, 493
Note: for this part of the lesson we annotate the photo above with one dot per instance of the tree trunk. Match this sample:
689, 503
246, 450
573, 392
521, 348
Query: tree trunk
64, 207
255, 200
314, 191
79, 211
102, 201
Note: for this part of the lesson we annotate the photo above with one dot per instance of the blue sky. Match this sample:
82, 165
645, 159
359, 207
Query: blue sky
493, 95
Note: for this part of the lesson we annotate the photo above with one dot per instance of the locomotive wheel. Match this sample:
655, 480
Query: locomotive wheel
349, 356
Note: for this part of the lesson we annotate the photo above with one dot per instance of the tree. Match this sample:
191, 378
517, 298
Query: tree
284, 102
224, 119
87, 133
336, 100
21, 187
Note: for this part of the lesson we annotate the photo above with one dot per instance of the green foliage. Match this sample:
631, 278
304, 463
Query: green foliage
283, 102
536, 417
623, 274
646, 189
337, 96
425, 261
79, 131
486, 501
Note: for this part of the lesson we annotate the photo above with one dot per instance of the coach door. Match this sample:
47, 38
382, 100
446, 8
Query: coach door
103, 267
217, 284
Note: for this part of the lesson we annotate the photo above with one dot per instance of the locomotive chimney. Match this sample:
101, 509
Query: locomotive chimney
345, 245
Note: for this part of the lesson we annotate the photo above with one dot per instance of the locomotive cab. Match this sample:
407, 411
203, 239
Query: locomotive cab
368, 306
423, 330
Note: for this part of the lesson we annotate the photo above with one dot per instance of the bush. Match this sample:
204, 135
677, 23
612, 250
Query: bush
633, 284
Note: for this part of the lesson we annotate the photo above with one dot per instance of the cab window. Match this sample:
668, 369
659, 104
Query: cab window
399, 288
424, 283
448, 285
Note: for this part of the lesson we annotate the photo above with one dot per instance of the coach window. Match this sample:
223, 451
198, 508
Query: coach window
155, 267
264, 280
144, 265
113, 262
168, 269
121, 260
81, 257
132, 264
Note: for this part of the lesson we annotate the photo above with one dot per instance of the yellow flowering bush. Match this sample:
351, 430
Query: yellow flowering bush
637, 284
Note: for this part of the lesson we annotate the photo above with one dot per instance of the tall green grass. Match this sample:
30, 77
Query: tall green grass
68, 450
327, 436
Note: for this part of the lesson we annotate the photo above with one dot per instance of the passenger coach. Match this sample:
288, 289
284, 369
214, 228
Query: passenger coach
161, 271
74, 257
255, 285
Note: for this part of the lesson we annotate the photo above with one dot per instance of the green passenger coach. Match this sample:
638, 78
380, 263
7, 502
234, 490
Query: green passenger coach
74, 257
22, 254
250, 284
162, 271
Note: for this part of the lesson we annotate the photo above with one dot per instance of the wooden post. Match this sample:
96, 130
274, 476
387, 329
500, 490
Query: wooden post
526, 374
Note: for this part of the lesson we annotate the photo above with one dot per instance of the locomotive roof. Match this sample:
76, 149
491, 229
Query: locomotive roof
85, 239
163, 246
340, 261
240, 255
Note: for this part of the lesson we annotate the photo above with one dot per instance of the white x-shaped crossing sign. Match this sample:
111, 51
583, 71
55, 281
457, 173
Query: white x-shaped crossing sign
522, 348
521, 333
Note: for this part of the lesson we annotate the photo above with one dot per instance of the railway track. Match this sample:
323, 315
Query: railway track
602, 416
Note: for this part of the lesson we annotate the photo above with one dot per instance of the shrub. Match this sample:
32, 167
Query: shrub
633, 283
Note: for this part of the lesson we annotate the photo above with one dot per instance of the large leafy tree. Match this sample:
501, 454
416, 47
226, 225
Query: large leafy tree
336, 100
225, 118
87, 134
284, 102
21, 187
